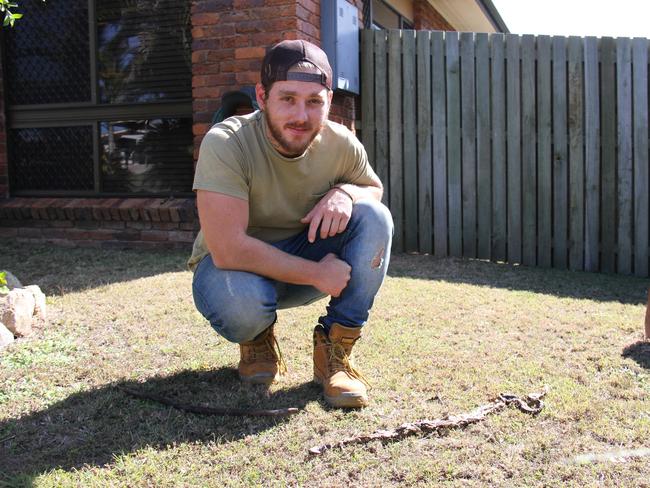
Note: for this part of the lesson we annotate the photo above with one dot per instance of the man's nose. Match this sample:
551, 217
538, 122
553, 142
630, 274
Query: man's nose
300, 112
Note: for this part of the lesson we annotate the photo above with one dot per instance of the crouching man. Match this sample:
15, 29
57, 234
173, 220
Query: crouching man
290, 212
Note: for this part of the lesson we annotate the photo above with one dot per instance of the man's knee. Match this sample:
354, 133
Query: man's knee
241, 324
374, 215
237, 309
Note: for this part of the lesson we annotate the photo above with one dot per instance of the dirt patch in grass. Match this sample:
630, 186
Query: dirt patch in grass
444, 337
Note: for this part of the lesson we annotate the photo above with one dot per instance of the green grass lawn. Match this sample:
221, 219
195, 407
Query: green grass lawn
445, 336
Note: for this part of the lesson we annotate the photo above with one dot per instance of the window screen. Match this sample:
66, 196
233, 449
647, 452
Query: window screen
143, 51
48, 57
99, 98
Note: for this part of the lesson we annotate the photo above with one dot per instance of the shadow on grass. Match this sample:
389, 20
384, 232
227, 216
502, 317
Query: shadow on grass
57, 270
96, 426
561, 283
60, 270
639, 352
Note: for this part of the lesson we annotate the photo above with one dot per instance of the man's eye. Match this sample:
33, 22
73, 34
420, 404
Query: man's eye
286, 99
316, 101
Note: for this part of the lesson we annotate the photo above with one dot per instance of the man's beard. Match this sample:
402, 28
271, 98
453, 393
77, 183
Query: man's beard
285, 146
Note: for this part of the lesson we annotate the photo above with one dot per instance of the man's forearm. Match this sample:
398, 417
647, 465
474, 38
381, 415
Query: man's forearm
357, 192
255, 256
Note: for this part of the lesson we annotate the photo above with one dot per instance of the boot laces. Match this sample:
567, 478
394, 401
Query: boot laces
267, 350
340, 360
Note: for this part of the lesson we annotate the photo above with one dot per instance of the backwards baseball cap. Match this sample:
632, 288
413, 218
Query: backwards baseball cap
284, 55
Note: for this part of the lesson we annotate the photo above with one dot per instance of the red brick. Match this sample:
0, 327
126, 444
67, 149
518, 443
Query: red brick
210, 44
181, 236
203, 18
17, 223
268, 25
165, 226
308, 29
200, 129
248, 3
221, 30
114, 209
220, 55
205, 92
201, 6
274, 12
199, 56
193, 226
220, 79
138, 225
426, 17
236, 65
311, 6
77, 234
97, 213
265, 38
250, 52
127, 235
29, 232
198, 33
155, 235
86, 224
62, 224
62, 242
154, 215
247, 78
113, 224
290, 35
53, 233
101, 234
205, 69
164, 214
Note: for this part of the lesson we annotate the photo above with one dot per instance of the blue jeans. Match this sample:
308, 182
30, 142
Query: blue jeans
240, 305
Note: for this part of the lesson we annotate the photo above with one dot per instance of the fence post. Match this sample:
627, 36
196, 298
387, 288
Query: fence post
647, 318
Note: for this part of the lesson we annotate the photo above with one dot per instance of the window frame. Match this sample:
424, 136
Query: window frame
404, 23
91, 113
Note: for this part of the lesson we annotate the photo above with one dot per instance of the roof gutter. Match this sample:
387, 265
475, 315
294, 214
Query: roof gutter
493, 14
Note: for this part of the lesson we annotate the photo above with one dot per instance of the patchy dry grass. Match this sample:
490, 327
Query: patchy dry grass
445, 336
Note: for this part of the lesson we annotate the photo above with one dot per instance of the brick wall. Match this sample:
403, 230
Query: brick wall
4, 170
102, 223
428, 18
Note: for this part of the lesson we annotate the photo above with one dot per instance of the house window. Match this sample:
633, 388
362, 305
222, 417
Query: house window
386, 17
99, 98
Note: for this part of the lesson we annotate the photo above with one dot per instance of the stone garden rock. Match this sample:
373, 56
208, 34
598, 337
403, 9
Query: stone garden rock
18, 311
40, 309
6, 337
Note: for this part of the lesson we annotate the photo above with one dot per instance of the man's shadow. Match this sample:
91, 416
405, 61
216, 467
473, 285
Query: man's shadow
94, 427
639, 352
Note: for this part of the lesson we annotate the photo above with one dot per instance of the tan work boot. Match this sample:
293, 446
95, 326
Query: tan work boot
343, 385
260, 359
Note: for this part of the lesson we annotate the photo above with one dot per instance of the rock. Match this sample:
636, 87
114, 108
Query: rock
6, 337
12, 281
40, 309
18, 311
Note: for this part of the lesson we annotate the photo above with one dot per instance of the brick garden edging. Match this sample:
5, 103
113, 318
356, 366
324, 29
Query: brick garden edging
139, 223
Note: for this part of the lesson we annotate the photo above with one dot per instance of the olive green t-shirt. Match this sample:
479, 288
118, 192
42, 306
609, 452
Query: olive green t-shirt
237, 159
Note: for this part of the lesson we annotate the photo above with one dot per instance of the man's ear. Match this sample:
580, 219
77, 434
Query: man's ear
260, 93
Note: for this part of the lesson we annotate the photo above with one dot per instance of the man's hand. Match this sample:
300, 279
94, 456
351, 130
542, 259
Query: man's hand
332, 213
334, 275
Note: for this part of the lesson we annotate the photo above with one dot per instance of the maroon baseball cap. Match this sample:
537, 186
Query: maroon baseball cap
281, 57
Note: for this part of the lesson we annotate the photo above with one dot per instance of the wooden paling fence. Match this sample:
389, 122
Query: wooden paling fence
524, 149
